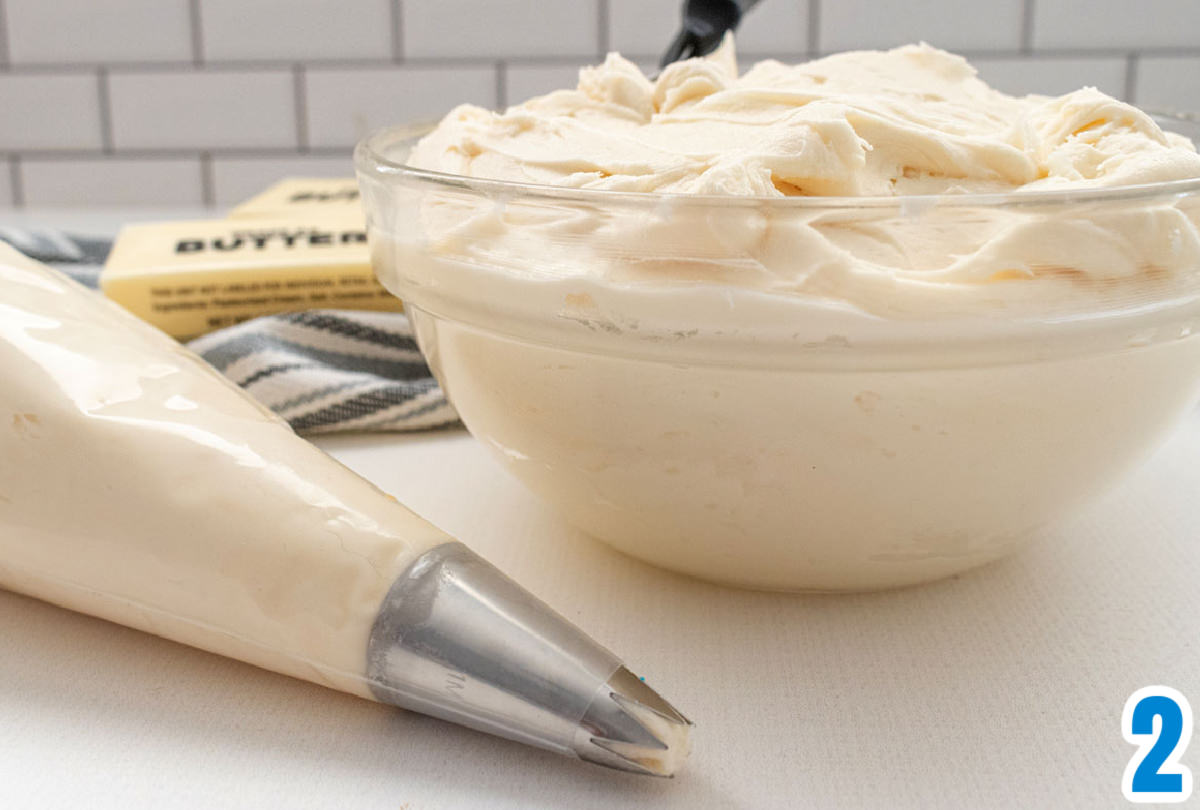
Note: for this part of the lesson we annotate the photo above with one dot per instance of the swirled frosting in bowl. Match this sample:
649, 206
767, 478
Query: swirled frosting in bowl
849, 324
914, 123
913, 120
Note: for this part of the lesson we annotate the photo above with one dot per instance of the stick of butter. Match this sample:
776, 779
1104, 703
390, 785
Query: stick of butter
307, 197
189, 278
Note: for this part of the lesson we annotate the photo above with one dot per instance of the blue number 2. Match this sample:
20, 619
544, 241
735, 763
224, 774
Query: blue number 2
1154, 773
1147, 778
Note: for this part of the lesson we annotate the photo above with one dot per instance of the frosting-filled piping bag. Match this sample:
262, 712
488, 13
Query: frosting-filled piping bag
139, 485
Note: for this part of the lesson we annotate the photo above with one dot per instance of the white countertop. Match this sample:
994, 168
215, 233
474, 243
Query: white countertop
1002, 687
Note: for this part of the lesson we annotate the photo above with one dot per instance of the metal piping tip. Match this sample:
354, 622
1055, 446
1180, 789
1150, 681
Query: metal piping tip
457, 639
631, 728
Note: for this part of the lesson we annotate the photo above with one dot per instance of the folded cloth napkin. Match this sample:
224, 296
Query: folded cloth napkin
324, 371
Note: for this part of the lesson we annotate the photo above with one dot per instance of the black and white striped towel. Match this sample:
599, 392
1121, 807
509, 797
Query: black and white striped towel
323, 371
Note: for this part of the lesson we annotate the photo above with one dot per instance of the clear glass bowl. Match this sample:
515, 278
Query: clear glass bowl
801, 393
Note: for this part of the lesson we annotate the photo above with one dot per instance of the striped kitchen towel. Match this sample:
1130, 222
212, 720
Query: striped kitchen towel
324, 371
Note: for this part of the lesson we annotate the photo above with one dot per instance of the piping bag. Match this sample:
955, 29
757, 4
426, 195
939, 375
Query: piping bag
139, 485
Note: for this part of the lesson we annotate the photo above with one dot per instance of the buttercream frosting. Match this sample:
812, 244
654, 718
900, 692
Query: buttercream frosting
913, 120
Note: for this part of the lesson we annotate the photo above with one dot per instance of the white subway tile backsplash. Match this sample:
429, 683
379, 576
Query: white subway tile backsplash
950, 24
1116, 23
42, 111
112, 181
774, 27
75, 31
346, 104
238, 179
296, 29
645, 27
469, 28
203, 109
1169, 83
526, 81
1053, 76
113, 81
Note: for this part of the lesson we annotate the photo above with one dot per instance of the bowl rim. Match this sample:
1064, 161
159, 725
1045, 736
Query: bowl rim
369, 159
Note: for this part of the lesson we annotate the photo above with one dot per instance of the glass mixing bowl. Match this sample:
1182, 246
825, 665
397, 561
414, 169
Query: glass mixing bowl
800, 393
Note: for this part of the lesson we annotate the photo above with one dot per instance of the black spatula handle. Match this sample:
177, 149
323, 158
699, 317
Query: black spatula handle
704, 25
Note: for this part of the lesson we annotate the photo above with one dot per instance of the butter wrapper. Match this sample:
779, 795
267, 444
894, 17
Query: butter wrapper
307, 198
189, 278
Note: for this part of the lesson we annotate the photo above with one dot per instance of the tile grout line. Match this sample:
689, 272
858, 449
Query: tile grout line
813, 43
197, 32
970, 53
300, 102
1131, 78
1078, 53
207, 194
450, 62
501, 85
1027, 14
15, 180
106, 115
169, 153
397, 30
603, 12
4, 55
